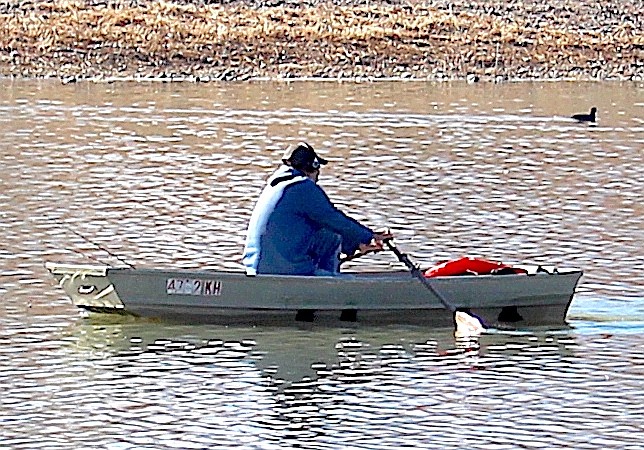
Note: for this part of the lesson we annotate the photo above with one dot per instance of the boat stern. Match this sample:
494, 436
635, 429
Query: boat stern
87, 286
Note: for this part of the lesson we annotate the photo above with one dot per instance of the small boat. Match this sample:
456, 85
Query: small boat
540, 296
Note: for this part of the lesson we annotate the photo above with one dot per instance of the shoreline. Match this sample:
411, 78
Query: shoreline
247, 40
353, 80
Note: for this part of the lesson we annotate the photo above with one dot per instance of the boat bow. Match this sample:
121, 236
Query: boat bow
87, 285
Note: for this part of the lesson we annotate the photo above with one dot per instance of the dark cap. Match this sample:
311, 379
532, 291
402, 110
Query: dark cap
302, 156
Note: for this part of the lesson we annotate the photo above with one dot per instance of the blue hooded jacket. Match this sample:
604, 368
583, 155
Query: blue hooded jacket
288, 213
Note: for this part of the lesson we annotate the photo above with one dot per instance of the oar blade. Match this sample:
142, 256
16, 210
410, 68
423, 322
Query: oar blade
467, 325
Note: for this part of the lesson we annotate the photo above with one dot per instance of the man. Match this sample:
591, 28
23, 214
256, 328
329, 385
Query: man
295, 229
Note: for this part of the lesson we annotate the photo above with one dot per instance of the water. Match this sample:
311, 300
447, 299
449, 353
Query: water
161, 174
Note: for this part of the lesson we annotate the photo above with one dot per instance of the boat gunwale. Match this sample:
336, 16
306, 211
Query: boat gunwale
291, 286
344, 276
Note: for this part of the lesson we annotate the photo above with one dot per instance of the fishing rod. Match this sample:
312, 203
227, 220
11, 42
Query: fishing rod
100, 247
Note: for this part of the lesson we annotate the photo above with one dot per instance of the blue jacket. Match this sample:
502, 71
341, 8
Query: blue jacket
289, 211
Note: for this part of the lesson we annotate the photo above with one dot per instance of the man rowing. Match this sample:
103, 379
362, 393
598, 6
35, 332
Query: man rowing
295, 229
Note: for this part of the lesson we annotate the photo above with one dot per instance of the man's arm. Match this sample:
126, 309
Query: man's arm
355, 236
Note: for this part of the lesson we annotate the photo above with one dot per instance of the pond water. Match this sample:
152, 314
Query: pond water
167, 174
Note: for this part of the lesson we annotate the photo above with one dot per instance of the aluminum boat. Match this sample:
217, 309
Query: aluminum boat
542, 296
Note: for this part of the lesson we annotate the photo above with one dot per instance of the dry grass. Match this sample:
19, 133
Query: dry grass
73, 38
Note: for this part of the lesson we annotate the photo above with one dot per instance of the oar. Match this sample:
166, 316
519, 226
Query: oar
465, 324
355, 256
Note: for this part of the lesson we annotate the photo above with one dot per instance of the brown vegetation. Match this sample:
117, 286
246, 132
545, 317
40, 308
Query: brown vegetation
489, 40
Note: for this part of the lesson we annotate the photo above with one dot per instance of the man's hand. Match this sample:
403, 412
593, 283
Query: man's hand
376, 243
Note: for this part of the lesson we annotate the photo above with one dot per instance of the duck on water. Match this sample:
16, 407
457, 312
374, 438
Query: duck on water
586, 117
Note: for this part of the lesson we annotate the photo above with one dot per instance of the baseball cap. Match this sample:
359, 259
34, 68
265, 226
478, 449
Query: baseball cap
302, 156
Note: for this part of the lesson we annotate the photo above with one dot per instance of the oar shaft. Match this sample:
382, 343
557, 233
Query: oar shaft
415, 271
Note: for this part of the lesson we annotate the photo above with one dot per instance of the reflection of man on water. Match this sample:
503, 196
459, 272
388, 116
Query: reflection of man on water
295, 229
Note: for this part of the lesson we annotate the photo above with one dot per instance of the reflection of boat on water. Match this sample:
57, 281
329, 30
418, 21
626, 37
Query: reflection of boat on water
286, 353
538, 298
292, 354
319, 387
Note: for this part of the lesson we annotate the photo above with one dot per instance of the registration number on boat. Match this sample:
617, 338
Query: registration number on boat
191, 286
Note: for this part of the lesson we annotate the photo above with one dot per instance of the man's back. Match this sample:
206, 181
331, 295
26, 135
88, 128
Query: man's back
287, 219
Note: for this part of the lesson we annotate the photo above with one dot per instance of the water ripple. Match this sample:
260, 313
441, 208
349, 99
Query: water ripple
166, 175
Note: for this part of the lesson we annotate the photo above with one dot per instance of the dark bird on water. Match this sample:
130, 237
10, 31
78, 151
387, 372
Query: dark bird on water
586, 117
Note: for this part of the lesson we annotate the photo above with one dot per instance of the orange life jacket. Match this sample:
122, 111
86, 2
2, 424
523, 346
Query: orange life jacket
470, 266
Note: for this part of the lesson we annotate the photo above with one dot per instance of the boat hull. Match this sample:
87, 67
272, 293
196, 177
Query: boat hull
373, 298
